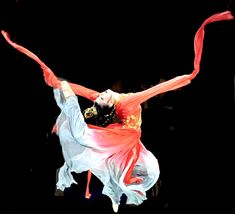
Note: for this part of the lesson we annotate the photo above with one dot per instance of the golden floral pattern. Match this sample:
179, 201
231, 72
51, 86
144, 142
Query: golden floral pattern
132, 122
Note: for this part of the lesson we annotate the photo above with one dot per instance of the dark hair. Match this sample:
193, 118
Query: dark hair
104, 115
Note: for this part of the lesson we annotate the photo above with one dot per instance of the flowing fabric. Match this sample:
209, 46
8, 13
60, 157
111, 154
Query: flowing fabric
115, 154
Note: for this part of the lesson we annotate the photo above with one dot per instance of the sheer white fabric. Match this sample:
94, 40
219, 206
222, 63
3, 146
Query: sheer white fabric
82, 152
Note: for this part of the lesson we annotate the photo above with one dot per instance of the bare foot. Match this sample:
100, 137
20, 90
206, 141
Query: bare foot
115, 206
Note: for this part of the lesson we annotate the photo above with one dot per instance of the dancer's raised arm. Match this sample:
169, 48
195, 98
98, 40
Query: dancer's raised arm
182, 80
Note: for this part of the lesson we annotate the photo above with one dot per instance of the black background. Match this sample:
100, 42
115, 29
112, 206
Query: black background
95, 44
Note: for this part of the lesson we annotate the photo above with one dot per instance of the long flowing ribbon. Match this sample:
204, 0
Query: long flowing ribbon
53, 81
199, 38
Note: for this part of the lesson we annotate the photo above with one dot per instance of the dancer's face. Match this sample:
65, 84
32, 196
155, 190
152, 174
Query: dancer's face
105, 98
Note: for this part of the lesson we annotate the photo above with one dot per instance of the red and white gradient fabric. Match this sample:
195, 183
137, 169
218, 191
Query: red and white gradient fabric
115, 154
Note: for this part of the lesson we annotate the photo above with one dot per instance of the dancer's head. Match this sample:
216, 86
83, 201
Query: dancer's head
103, 109
105, 98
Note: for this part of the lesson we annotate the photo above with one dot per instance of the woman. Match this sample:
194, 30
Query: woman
112, 152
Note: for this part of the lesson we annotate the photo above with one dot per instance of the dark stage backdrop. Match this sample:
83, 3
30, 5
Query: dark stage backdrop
96, 45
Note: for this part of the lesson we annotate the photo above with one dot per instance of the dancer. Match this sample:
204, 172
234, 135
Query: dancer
111, 151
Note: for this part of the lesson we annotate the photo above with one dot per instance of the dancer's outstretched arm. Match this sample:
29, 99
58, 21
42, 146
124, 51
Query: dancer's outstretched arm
182, 80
